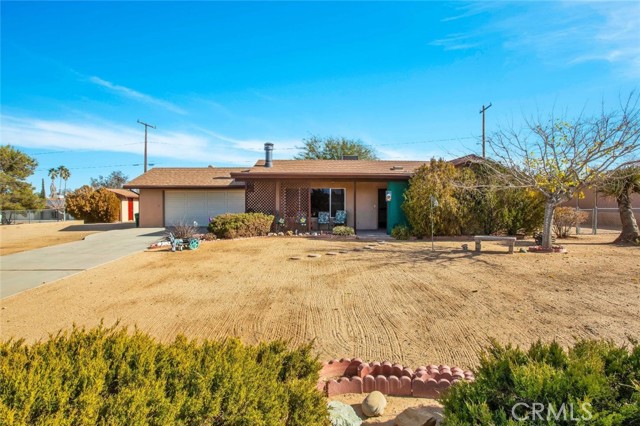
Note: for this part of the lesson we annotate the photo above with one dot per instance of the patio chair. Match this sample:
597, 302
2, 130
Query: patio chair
341, 218
324, 218
301, 220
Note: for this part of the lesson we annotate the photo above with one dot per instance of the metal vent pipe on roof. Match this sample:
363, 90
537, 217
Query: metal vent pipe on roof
268, 154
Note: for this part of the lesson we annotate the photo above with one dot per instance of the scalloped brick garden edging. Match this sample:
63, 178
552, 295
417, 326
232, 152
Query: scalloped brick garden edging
356, 376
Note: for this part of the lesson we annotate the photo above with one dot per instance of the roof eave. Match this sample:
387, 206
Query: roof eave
307, 176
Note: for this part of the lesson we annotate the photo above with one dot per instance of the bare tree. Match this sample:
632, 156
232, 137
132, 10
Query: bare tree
560, 157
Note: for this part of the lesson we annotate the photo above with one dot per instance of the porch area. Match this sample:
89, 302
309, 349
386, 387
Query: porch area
298, 203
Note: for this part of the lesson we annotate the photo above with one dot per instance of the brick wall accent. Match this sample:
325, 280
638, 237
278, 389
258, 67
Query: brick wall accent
355, 376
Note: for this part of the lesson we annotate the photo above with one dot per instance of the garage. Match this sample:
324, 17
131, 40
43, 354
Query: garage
174, 195
186, 207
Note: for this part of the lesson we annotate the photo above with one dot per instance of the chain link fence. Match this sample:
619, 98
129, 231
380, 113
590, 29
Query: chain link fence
602, 220
8, 217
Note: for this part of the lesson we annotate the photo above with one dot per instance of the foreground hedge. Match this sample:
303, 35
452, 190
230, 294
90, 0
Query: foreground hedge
110, 376
238, 225
597, 373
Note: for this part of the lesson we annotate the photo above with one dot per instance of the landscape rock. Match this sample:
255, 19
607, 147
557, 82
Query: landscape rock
341, 414
415, 416
374, 404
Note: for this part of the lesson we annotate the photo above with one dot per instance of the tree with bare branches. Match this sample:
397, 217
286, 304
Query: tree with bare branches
560, 157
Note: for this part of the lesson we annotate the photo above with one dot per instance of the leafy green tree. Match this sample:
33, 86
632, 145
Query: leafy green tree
621, 184
437, 179
15, 192
93, 205
43, 193
560, 157
330, 148
115, 179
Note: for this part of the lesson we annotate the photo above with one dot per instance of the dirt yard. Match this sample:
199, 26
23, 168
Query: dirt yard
29, 236
396, 302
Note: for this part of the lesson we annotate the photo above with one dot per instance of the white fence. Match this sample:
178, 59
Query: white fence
33, 216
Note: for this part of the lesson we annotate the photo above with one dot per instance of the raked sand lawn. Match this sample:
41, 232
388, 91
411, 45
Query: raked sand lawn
29, 236
395, 302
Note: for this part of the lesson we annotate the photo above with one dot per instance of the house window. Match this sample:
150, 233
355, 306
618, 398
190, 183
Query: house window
327, 200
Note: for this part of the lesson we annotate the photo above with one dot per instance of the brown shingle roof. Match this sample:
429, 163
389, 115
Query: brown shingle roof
124, 192
364, 169
187, 177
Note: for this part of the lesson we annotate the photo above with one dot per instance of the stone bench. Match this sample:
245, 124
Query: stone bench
511, 241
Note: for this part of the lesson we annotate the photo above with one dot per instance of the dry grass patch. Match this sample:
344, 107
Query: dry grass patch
29, 236
398, 301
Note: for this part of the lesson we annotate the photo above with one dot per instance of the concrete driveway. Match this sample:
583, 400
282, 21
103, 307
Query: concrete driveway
29, 269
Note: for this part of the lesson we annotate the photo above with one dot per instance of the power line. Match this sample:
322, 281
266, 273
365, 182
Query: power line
102, 166
395, 143
81, 149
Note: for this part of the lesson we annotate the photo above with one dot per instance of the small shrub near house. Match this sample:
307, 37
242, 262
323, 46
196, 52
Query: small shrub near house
93, 205
183, 230
241, 225
111, 376
401, 232
565, 219
343, 231
597, 380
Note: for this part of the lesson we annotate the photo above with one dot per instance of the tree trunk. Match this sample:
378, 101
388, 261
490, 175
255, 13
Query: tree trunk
547, 226
630, 232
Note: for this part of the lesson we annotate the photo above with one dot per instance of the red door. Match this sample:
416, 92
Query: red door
130, 209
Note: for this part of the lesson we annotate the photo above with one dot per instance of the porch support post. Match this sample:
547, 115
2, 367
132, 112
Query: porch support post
355, 209
309, 210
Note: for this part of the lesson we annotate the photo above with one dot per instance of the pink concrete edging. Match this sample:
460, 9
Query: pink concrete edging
356, 376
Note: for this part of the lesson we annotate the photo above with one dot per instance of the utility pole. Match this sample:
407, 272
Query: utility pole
145, 141
483, 138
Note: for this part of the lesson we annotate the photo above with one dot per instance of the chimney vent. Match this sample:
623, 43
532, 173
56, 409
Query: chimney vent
268, 154
397, 168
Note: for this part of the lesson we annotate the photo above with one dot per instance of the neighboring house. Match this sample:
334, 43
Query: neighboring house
129, 203
288, 188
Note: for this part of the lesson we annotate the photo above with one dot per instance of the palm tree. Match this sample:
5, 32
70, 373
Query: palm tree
65, 174
53, 174
621, 184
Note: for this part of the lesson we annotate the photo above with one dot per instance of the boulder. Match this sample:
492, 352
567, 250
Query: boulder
415, 416
373, 405
341, 414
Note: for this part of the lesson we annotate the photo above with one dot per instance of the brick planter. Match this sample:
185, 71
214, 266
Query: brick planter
355, 376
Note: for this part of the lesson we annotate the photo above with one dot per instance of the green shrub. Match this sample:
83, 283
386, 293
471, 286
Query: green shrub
471, 200
596, 372
110, 376
343, 230
401, 232
238, 225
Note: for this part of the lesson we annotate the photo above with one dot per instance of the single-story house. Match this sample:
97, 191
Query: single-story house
129, 203
371, 192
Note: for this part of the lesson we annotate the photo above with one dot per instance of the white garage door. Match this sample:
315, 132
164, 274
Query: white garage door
189, 206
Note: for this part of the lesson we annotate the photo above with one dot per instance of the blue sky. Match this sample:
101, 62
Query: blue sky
220, 79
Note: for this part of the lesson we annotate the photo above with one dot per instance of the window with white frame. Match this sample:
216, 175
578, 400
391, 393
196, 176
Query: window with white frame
327, 200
